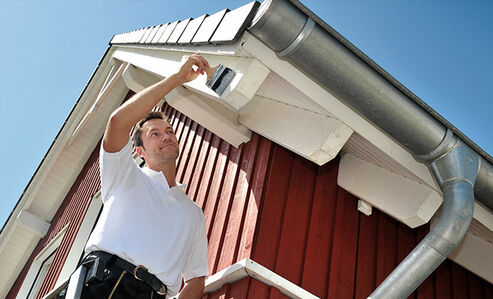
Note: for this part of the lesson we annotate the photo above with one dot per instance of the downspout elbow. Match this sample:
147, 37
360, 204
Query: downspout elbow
455, 171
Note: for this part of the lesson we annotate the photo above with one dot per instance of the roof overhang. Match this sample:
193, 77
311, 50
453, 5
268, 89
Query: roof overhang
269, 96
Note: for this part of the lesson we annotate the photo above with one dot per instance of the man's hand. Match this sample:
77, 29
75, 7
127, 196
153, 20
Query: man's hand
192, 68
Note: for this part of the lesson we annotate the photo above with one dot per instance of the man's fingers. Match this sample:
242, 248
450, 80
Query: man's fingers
202, 59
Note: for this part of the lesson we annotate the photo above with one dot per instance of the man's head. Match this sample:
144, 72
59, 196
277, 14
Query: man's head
155, 140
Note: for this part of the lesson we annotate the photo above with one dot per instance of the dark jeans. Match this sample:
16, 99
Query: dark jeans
128, 287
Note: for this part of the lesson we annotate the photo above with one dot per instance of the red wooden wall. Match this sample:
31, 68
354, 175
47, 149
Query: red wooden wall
311, 233
72, 211
226, 182
264, 202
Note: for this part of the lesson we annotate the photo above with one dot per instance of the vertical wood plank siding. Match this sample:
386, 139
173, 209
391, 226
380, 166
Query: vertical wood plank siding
226, 182
310, 232
264, 202
71, 212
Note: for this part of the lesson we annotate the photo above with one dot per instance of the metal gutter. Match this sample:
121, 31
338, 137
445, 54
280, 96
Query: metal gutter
301, 38
461, 168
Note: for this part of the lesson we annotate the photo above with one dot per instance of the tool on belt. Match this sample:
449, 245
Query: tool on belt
93, 269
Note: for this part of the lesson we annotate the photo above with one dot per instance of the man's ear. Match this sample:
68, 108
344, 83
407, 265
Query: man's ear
140, 151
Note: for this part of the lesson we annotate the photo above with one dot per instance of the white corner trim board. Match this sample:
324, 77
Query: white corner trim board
247, 267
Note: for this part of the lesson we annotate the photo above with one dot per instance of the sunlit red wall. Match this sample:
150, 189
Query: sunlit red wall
266, 203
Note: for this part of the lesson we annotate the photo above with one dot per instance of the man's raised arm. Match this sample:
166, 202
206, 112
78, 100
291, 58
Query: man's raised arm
127, 115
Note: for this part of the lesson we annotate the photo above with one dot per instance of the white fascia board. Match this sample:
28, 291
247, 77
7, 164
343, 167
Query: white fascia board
209, 114
406, 200
251, 46
249, 72
247, 267
317, 137
58, 145
85, 100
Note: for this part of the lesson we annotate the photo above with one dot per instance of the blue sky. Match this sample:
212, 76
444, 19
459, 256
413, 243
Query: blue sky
442, 51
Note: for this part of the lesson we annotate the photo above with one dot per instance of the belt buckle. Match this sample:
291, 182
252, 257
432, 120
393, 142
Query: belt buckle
163, 290
135, 272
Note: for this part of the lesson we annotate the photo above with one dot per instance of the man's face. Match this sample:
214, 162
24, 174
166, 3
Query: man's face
160, 143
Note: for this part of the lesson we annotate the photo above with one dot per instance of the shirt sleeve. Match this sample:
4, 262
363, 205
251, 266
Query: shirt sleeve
114, 167
197, 261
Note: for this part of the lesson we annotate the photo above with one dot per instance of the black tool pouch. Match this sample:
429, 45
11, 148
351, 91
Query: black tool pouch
95, 269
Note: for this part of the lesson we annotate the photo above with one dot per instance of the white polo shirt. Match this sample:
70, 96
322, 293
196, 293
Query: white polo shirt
146, 223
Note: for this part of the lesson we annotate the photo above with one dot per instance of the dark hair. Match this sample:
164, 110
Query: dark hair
137, 136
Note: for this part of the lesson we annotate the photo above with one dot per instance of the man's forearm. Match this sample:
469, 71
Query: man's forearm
142, 103
193, 289
137, 107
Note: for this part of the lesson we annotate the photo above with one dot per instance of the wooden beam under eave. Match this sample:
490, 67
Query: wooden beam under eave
210, 114
406, 200
137, 80
315, 136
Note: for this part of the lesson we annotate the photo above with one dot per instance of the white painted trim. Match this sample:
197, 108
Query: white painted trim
110, 82
247, 267
365, 207
317, 137
80, 241
33, 223
38, 261
474, 254
43, 173
483, 215
210, 114
137, 79
235, 272
406, 200
249, 73
251, 46
205, 49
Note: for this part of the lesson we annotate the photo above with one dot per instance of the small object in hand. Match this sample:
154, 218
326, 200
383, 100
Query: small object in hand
219, 77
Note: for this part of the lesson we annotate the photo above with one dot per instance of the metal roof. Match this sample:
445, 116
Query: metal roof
222, 27
227, 26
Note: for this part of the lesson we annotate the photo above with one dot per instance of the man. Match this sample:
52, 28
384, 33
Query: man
150, 234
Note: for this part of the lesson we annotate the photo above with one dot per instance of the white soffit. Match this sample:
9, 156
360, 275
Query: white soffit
476, 249
392, 153
56, 174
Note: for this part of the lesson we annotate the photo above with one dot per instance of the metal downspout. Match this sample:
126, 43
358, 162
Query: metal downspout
455, 167
284, 27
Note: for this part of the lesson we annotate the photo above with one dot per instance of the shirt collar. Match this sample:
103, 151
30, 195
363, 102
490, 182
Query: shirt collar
160, 176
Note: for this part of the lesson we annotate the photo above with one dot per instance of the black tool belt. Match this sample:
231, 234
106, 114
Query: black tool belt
139, 272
